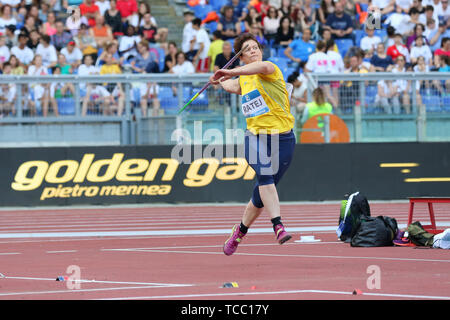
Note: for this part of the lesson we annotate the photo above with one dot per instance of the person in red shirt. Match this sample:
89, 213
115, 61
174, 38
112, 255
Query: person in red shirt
127, 8
398, 49
444, 49
89, 10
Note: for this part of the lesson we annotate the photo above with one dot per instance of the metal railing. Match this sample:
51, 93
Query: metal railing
425, 118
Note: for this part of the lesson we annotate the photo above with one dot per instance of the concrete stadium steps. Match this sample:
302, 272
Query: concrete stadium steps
167, 17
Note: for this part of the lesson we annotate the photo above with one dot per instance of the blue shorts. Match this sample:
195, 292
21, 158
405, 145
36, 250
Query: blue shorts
270, 157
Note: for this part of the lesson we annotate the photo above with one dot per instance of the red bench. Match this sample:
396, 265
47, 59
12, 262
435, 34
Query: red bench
428, 200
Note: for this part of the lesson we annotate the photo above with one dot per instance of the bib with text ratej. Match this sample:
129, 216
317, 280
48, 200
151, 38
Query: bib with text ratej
253, 104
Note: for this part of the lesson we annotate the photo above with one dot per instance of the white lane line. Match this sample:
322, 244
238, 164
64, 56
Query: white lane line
298, 255
169, 285
8, 253
190, 296
62, 251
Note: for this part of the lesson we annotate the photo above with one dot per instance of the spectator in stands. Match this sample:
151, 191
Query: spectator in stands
47, 51
402, 87
215, 48
286, 8
223, 58
170, 59
201, 59
41, 91
336, 66
33, 42
149, 94
384, 6
285, 33
380, 61
103, 5
326, 8
228, 25
240, 9
138, 18
326, 36
418, 32
411, 23
183, 66
144, 61
418, 5
300, 49
63, 65
252, 17
398, 48
4, 51
188, 33
61, 38
421, 49
89, 10
17, 68
370, 41
34, 11
128, 43
127, 8
73, 55
116, 91
44, 10
421, 66
305, 17
114, 19
317, 106
349, 92
86, 69
444, 49
11, 37
299, 96
259, 35
6, 18
99, 96
428, 15
148, 30
387, 97
29, 25
85, 41
22, 52
101, 32
442, 33
112, 48
271, 22
49, 27
74, 22
398, 20
444, 14
340, 23
7, 93
59, 89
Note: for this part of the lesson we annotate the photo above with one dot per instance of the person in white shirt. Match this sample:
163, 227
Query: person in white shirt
188, 32
6, 18
318, 62
405, 5
201, 58
21, 51
398, 20
7, 93
420, 49
128, 43
335, 65
41, 91
103, 5
47, 51
183, 66
4, 50
73, 55
299, 96
370, 42
385, 6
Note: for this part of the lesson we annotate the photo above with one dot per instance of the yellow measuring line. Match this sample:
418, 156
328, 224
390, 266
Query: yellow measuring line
399, 165
427, 180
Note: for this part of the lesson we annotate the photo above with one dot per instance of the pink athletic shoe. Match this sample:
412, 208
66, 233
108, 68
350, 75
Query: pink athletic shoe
233, 241
282, 235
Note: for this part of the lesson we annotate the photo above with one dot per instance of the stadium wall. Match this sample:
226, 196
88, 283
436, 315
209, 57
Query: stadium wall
153, 174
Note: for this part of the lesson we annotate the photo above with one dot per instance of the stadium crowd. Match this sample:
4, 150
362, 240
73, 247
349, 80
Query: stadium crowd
122, 36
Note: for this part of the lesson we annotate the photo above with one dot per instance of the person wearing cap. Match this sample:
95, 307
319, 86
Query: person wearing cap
73, 55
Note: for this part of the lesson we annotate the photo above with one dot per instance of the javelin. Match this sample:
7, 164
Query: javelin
209, 82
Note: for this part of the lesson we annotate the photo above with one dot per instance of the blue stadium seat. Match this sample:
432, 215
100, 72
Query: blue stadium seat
66, 106
282, 63
381, 33
168, 102
287, 72
280, 52
432, 103
344, 45
162, 58
218, 4
359, 34
211, 26
201, 11
446, 103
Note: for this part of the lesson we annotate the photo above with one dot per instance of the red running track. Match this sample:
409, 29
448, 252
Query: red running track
165, 253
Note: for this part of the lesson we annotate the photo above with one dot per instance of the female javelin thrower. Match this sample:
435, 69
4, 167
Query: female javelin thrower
269, 139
